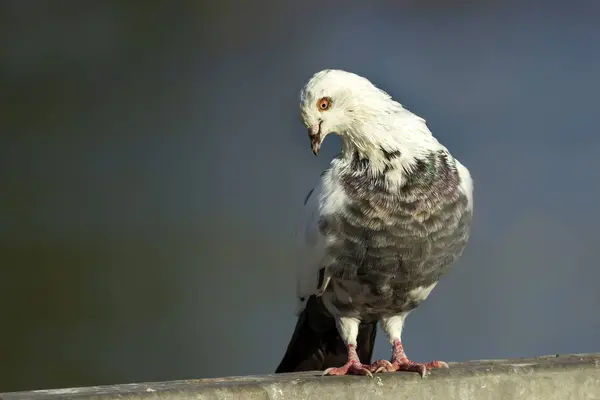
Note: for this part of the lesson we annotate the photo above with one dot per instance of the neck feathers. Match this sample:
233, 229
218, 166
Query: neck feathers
392, 139
411, 178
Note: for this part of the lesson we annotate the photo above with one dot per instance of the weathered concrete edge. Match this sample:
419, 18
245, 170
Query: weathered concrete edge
574, 376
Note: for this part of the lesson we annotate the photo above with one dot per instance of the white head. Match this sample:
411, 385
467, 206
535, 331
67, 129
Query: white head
336, 101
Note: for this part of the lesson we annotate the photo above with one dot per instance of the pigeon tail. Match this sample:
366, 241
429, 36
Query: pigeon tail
316, 344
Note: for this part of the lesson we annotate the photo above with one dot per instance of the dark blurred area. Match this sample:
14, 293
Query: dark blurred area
153, 167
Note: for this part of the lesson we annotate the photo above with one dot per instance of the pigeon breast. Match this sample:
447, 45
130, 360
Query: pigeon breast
388, 245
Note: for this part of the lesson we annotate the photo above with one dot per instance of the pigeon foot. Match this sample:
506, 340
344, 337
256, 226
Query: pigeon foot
401, 363
406, 365
350, 368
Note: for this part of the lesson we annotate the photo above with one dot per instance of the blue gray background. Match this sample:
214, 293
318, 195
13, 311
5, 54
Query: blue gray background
152, 167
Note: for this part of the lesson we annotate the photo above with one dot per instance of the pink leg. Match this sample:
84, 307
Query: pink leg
401, 363
352, 367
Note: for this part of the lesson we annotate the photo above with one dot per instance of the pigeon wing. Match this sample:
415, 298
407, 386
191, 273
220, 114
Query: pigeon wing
310, 248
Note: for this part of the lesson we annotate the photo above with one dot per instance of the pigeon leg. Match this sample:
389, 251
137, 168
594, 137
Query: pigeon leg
348, 330
400, 362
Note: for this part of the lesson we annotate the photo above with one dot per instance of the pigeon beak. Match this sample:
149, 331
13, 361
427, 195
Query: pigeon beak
314, 133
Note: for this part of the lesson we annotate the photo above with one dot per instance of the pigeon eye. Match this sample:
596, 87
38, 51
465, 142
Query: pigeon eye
324, 103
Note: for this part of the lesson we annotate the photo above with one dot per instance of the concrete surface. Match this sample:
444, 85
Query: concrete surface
543, 378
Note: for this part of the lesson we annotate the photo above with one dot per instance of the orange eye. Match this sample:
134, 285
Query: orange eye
324, 104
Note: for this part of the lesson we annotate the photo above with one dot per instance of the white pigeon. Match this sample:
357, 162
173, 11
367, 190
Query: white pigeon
388, 218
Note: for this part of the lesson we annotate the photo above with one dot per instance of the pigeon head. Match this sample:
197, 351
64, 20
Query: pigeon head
340, 102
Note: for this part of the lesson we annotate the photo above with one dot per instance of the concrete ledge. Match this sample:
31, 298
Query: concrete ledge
550, 377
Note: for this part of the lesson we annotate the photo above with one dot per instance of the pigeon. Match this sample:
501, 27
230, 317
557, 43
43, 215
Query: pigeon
389, 217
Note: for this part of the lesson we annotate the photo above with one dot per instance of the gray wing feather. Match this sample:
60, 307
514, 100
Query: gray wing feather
310, 249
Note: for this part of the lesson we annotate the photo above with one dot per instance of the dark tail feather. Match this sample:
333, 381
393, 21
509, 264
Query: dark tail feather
316, 344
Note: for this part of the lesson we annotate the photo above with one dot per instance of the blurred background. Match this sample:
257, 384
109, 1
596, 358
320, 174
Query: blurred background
153, 166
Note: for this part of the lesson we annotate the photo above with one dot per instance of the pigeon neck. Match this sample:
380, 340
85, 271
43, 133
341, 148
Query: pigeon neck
399, 149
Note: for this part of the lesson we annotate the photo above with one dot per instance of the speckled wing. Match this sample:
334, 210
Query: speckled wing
310, 249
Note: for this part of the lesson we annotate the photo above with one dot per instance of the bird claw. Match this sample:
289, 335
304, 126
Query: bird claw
381, 366
350, 368
406, 365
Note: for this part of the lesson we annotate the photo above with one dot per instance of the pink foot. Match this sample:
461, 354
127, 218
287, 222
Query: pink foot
401, 363
406, 365
352, 367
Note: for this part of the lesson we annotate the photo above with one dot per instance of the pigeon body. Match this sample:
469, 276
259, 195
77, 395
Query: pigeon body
389, 217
